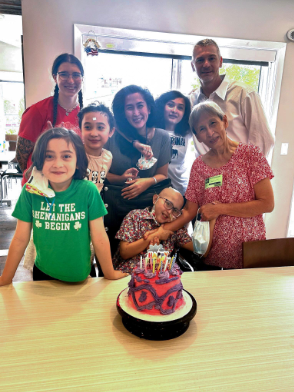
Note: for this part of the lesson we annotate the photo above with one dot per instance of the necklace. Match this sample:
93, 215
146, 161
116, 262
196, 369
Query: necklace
67, 111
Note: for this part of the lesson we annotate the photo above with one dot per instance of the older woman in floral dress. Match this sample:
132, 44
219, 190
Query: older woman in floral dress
230, 183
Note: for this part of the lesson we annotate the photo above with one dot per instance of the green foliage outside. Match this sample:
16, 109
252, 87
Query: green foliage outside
9, 108
246, 74
11, 132
21, 108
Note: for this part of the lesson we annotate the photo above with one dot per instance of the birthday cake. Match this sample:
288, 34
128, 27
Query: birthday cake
155, 306
156, 291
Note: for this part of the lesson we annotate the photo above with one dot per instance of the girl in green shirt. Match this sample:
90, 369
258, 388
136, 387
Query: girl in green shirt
65, 213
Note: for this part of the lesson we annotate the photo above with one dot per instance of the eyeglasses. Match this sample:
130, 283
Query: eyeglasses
66, 75
169, 206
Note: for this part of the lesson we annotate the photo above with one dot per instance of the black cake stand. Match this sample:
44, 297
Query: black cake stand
151, 330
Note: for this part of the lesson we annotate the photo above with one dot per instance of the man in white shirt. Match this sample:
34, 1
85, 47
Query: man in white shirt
241, 104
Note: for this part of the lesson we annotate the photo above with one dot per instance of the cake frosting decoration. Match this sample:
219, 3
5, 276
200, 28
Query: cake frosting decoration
155, 286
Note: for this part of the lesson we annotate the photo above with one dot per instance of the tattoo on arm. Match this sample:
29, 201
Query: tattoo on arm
23, 150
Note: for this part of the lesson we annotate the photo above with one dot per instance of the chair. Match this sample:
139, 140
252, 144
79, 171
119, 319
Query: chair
268, 253
13, 171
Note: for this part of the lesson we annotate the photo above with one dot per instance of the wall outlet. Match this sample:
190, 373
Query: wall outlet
284, 148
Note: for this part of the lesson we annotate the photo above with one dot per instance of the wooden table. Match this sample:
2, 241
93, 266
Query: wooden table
62, 337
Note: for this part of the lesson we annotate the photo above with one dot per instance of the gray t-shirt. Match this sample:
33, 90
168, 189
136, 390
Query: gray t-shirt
161, 147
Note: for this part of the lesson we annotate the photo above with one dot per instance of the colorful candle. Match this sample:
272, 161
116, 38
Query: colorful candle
161, 263
173, 262
166, 261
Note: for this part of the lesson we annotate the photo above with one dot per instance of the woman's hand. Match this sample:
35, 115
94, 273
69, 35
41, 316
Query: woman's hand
135, 188
210, 211
130, 173
144, 149
50, 126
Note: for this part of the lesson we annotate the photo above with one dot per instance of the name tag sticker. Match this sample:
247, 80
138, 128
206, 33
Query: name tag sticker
213, 182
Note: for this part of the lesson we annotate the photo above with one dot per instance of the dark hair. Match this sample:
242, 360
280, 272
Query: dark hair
118, 108
182, 128
68, 135
207, 42
64, 58
96, 107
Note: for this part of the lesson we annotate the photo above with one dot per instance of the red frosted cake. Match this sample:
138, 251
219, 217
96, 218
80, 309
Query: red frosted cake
155, 306
158, 292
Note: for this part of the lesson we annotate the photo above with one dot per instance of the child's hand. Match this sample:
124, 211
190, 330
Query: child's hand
161, 233
117, 275
154, 240
3, 283
144, 149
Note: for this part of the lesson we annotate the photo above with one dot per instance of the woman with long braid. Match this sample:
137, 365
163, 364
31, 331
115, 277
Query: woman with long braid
61, 109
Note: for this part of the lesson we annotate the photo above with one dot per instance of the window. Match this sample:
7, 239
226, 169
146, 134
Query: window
13, 102
11, 76
248, 74
109, 72
161, 61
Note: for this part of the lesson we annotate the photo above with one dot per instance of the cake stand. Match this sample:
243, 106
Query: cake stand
153, 327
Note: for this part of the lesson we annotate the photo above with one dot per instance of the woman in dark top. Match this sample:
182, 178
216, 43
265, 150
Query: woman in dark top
134, 113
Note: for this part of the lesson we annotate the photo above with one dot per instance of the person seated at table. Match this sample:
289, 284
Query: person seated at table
63, 215
166, 208
230, 183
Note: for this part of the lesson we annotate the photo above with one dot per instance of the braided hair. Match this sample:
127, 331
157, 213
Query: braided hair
64, 58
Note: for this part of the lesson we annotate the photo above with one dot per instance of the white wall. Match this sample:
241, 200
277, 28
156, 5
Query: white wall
48, 31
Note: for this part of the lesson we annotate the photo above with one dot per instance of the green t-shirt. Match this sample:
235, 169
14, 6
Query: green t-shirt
63, 240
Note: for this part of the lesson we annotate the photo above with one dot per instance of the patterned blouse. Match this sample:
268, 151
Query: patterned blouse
132, 229
246, 167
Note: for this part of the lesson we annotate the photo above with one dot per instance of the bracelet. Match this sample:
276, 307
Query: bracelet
154, 180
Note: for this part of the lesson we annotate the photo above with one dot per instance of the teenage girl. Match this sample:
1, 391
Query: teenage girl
61, 109
63, 224
173, 111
